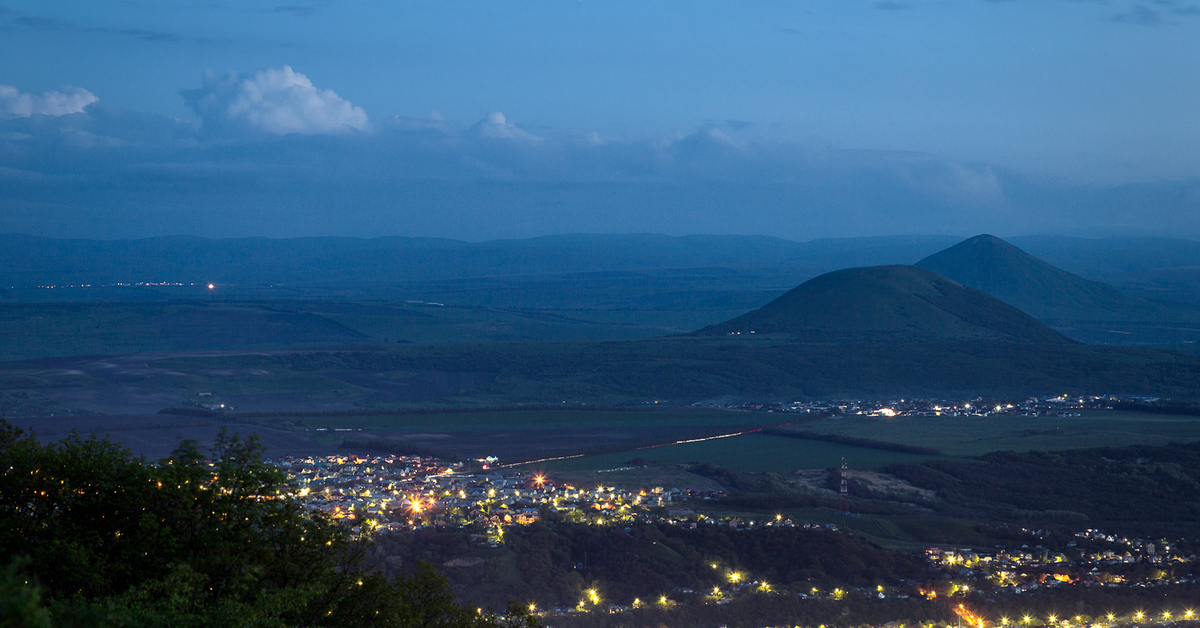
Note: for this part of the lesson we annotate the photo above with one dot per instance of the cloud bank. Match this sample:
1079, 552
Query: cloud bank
276, 101
15, 104
273, 155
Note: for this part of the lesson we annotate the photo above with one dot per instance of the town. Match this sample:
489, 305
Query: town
406, 494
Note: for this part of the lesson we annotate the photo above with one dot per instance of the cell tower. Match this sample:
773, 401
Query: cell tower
843, 503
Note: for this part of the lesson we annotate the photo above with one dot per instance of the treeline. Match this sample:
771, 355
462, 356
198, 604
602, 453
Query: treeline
854, 441
1148, 489
554, 563
92, 537
400, 448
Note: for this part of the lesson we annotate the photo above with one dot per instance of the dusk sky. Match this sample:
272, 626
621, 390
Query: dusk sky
493, 119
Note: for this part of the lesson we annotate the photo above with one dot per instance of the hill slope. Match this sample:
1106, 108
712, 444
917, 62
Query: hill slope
888, 303
1004, 271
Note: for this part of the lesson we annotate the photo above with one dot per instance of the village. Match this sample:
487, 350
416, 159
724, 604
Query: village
393, 493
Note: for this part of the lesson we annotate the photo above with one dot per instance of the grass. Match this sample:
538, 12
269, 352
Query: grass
974, 436
530, 420
751, 453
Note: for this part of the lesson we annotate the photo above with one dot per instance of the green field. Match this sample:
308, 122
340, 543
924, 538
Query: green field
531, 420
40, 330
974, 436
751, 452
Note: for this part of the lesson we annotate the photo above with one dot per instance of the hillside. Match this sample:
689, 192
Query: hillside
888, 303
1046, 292
1083, 309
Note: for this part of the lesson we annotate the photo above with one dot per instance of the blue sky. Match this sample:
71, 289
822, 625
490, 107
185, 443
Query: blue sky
491, 119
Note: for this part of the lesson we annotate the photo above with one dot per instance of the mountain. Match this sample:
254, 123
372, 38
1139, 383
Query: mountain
888, 303
1085, 310
1155, 268
1046, 292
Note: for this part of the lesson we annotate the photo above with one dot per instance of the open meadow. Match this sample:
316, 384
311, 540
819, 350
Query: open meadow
978, 435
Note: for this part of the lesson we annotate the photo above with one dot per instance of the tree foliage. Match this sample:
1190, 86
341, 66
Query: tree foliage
96, 537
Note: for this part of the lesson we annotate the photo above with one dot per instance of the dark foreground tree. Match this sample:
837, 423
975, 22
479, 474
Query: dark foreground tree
92, 536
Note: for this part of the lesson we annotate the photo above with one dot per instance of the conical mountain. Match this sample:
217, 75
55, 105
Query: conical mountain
888, 303
1044, 291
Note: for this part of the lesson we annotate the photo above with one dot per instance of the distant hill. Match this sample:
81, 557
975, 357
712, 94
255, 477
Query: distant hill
1156, 268
888, 303
1004, 271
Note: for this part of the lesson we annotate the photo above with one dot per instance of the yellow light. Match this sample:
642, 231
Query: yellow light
734, 576
1110, 617
662, 599
1026, 619
1188, 614
778, 517
1166, 614
1139, 615
1004, 621
1053, 619
532, 607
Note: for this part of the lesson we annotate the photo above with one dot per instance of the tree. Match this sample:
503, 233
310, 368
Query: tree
191, 541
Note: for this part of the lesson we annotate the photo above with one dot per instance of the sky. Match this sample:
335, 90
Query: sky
493, 119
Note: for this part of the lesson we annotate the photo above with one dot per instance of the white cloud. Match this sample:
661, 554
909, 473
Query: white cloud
14, 104
496, 127
278, 101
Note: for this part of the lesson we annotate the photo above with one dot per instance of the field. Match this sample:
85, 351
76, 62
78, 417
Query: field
44, 330
748, 453
974, 436
535, 419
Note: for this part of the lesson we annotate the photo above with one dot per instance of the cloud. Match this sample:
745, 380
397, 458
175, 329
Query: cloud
298, 10
15, 104
495, 126
50, 24
1141, 15
276, 101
